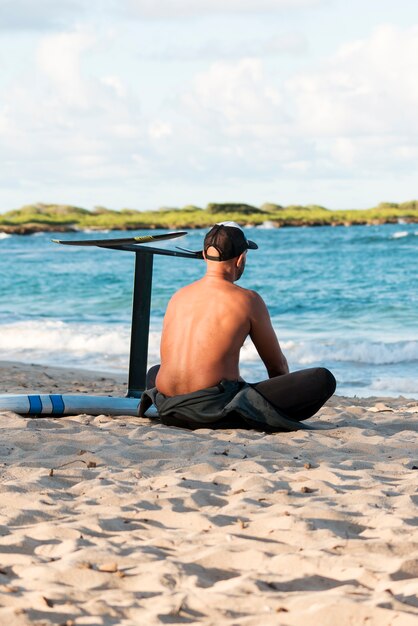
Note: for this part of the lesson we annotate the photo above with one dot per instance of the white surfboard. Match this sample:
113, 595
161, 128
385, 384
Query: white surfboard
62, 404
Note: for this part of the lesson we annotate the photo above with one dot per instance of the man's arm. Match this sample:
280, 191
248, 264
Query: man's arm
265, 340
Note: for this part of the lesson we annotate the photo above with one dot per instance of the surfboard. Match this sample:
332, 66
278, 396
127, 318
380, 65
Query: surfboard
68, 404
120, 240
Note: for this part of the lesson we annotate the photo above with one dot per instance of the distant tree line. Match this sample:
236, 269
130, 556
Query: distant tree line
59, 218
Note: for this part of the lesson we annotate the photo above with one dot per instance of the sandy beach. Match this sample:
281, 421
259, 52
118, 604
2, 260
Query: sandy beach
125, 521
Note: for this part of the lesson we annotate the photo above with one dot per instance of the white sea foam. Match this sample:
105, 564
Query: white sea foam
267, 225
4, 235
395, 385
51, 339
92, 346
95, 230
400, 234
355, 351
362, 368
104, 347
367, 352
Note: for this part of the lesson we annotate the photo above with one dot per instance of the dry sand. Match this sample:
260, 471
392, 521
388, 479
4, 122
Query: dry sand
124, 521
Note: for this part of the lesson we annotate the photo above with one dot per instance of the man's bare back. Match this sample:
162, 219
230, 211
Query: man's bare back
205, 326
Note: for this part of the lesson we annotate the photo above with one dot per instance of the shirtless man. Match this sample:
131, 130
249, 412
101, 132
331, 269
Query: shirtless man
205, 326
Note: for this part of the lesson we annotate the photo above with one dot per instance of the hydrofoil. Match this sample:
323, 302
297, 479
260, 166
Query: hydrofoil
57, 404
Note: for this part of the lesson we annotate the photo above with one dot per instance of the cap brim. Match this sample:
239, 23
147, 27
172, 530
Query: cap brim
252, 245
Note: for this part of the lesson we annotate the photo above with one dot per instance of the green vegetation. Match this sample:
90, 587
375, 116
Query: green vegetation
54, 217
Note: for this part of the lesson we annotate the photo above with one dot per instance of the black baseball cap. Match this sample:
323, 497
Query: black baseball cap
229, 241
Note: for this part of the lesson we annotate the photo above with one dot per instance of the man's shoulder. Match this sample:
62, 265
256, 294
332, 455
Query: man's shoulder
250, 294
248, 299
227, 288
186, 291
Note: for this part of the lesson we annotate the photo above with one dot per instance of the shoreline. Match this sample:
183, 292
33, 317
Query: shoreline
43, 217
17, 377
273, 224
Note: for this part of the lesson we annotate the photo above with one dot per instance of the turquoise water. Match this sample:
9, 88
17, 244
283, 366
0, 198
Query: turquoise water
346, 298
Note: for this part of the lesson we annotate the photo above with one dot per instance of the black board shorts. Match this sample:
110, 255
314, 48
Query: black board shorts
208, 407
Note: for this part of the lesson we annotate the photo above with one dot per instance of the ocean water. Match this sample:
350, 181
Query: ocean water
344, 297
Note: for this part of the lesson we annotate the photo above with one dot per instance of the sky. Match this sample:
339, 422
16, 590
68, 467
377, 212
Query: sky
150, 103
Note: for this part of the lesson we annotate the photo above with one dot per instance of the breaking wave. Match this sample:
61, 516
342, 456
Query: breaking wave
106, 347
367, 352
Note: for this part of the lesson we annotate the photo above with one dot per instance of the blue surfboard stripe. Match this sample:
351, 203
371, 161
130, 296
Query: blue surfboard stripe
58, 405
35, 405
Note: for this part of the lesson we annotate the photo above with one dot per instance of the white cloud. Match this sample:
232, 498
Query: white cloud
39, 15
214, 49
4, 120
160, 129
344, 150
63, 126
369, 87
353, 115
59, 58
235, 93
404, 152
66, 123
46, 15
190, 8
115, 83
297, 166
